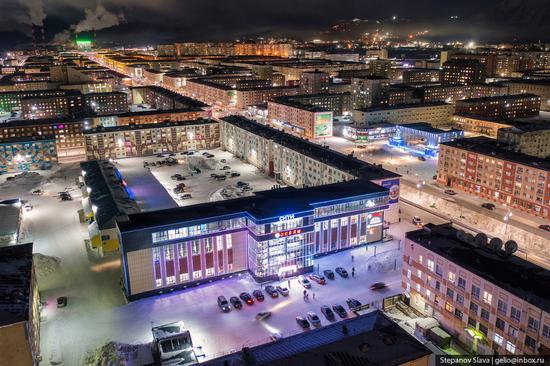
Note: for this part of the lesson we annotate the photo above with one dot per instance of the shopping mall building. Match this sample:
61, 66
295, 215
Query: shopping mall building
332, 202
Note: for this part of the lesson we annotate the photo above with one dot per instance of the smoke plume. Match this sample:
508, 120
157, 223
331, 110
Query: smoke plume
35, 12
99, 18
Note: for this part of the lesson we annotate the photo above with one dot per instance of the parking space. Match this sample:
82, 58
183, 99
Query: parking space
204, 176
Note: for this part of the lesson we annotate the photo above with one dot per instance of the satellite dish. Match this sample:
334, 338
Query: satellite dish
469, 238
460, 235
510, 247
481, 239
496, 244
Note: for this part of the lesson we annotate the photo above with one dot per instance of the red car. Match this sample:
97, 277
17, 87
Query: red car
317, 278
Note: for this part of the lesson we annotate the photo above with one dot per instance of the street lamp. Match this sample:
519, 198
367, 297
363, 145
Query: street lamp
419, 185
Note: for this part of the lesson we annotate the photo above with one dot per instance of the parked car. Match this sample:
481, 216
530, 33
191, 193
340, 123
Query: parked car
258, 294
263, 315
450, 192
544, 227
220, 177
237, 304
186, 196
213, 175
329, 274
241, 184
223, 161
488, 206
272, 291
27, 207
318, 278
66, 198
353, 303
421, 158
417, 221
235, 175
245, 296
282, 290
302, 322
342, 272
37, 192
304, 282
339, 309
62, 301
327, 312
313, 318
205, 153
378, 286
223, 304
247, 188
179, 179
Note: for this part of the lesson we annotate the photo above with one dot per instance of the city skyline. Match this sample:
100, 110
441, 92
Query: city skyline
139, 23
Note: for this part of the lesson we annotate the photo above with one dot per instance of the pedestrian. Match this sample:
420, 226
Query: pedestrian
352, 258
289, 284
369, 267
314, 296
352, 271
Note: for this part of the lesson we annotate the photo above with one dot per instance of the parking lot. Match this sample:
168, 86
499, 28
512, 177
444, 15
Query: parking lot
203, 178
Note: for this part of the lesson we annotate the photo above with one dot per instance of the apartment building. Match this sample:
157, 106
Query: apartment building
504, 106
19, 154
436, 113
531, 138
487, 169
19, 302
462, 72
128, 141
536, 87
492, 301
479, 124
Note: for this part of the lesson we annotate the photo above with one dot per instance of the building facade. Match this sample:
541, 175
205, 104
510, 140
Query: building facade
422, 138
537, 87
480, 124
150, 139
480, 166
464, 72
19, 305
504, 106
529, 138
489, 310
27, 154
437, 114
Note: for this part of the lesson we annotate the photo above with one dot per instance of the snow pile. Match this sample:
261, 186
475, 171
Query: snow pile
112, 354
385, 262
202, 163
229, 192
25, 180
45, 265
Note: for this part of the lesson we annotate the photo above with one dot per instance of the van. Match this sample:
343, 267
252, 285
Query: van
223, 304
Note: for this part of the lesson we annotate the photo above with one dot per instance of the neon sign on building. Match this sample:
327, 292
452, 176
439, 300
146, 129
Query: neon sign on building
286, 233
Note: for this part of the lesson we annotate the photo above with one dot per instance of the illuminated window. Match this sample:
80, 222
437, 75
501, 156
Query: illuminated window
487, 297
452, 277
228, 241
449, 307
197, 274
498, 339
510, 347
430, 265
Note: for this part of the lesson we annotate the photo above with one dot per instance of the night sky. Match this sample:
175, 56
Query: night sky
139, 22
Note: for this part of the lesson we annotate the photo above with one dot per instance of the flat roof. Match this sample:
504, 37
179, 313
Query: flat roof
404, 106
317, 152
520, 277
10, 214
491, 147
499, 98
15, 283
424, 126
365, 340
262, 205
190, 102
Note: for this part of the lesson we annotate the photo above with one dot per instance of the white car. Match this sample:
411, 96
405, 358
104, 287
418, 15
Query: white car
313, 318
304, 282
417, 221
282, 290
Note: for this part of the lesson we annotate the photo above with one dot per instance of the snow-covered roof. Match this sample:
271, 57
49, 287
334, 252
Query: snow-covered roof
15, 283
10, 211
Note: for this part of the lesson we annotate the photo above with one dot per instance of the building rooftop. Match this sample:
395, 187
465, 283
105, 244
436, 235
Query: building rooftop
262, 205
188, 102
15, 283
491, 147
498, 98
107, 192
10, 216
292, 102
317, 152
366, 340
520, 277
426, 127
404, 106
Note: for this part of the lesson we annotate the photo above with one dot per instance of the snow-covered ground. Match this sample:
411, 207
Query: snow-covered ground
202, 187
